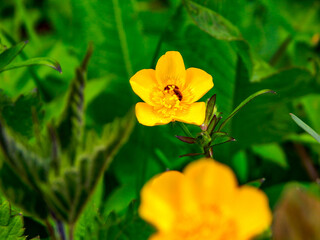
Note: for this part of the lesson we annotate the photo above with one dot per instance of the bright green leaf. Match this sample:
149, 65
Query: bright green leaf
11, 225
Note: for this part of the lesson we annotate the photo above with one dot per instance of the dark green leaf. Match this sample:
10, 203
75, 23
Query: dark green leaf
19, 115
22, 172
242, 104
19, 193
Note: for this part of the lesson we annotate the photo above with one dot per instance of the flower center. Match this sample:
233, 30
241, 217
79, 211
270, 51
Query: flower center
167, 101
173, 89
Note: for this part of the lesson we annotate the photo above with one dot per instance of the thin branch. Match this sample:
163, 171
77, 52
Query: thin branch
185, 129
307, 162
50, 230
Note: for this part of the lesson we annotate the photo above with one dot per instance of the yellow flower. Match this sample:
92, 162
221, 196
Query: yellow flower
170, 92
203, 203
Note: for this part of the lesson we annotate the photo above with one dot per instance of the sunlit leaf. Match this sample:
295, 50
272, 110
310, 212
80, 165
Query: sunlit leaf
11, 225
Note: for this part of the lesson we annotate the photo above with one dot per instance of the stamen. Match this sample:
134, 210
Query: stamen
175, 89
167, 101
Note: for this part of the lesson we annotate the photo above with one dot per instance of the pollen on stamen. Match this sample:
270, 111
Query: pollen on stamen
167, 101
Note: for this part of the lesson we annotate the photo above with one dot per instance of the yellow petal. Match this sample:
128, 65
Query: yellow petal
147, 116
160, 200
214, 183
252, 212
194, 114
163, 236
198, 83
170, 70
143, 83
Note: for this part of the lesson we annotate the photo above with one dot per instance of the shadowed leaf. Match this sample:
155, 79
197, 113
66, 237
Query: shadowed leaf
242, 104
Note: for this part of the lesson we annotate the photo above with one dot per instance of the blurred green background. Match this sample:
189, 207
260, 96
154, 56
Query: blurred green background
246, 45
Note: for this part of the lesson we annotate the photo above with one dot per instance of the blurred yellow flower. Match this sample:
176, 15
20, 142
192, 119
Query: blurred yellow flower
203, 203
170, 92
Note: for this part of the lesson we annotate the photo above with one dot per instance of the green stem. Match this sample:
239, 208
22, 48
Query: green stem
185, 129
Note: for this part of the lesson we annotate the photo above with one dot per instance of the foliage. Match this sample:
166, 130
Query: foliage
11, 222
61, 131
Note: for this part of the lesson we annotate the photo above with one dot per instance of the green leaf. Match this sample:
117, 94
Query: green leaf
240, 164
87, 223
210, 110
256, 183
265, 120
21, 173
11, 53
303, 138
221, 138
19, 193
271, 152
21, 114
71, 124
305, 127
68, 193
219, 27
11, 225
242, 104
41, 61
211, 22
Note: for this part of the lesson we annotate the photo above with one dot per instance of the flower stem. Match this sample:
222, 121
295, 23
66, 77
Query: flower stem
208, 152
185, 129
